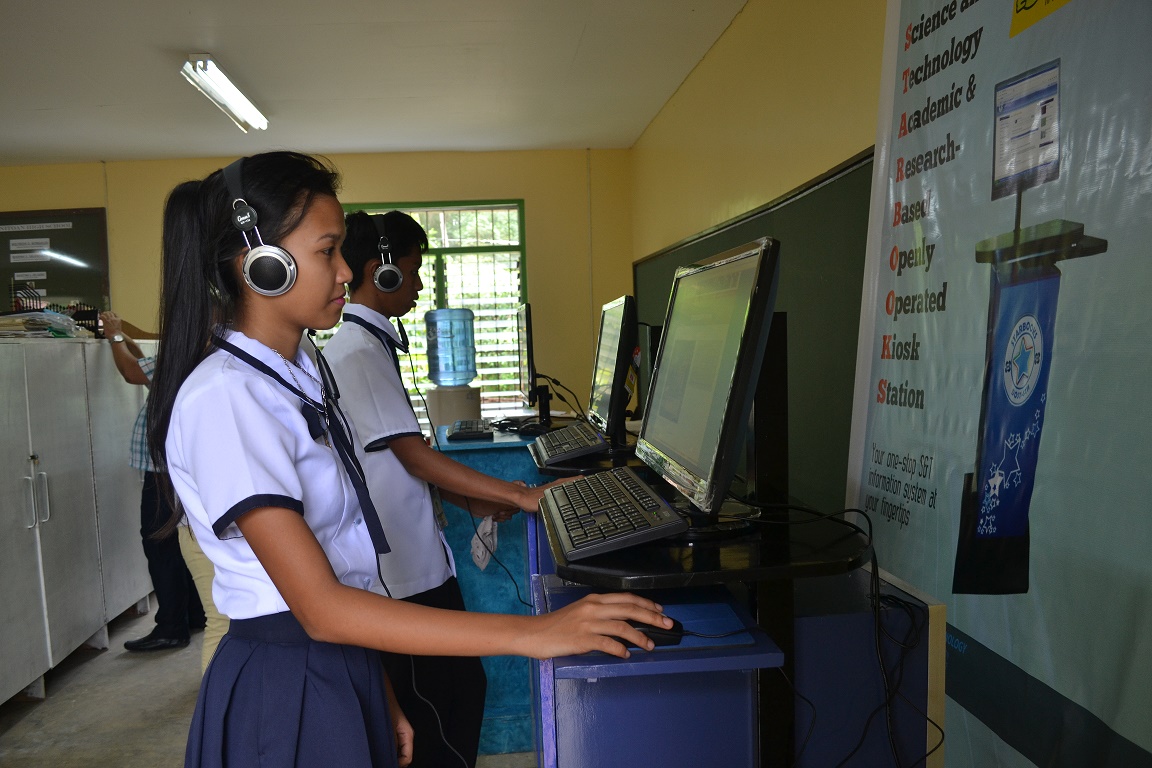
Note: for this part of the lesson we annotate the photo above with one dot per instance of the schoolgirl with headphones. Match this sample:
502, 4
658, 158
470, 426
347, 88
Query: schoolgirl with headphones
270, 476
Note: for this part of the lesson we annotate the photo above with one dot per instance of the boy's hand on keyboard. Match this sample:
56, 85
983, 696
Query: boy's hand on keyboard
533, 494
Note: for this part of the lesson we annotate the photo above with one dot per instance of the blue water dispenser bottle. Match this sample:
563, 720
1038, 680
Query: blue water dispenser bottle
451, 346
451, 366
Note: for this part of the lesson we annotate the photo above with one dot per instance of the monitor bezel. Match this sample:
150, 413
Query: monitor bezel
526, 369
707, 494
611, 424
1036, 175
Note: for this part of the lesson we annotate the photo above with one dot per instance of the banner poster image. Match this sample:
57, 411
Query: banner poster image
1002, 418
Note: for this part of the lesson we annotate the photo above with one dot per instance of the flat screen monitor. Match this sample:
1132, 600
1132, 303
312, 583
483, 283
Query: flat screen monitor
615, 350
1026, 151
526, 373
534, 394
704, 381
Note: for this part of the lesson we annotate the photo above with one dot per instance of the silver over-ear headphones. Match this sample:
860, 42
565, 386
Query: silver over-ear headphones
387, 276
268, 269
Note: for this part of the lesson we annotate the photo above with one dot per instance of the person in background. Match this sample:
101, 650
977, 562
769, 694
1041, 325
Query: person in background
443, 696
216, 624
268, 471
178, 606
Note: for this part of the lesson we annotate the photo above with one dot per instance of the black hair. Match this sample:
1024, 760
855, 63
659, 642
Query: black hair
361, 240
200, 284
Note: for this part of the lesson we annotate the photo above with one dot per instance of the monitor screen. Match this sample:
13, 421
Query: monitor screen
526, 372
706, 371
1026, 151
615, 349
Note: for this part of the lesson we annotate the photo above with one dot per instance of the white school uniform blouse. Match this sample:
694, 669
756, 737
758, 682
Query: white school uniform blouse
238, 441
373, 398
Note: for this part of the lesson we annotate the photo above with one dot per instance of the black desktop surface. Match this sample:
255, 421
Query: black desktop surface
768, 552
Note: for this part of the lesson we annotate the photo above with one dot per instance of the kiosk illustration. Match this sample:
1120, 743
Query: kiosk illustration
992, 549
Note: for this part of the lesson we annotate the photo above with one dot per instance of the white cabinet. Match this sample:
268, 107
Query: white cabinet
112, 408
23, 620
53, 579
64, 491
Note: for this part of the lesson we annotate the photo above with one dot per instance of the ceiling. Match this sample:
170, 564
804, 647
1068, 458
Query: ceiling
91, 80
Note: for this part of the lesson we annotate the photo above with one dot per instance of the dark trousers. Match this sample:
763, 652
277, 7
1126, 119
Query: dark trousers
178, 604
453, 685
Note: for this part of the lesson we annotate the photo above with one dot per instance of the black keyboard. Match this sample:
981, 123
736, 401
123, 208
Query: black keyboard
569, 443
607, 511
470, 429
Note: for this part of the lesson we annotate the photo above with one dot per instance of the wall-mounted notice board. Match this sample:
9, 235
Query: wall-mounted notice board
54, 259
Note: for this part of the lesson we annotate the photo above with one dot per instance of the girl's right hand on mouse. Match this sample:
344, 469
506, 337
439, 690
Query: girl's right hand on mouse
592, 624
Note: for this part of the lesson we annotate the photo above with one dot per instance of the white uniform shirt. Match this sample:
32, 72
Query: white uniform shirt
373, 398
238, 441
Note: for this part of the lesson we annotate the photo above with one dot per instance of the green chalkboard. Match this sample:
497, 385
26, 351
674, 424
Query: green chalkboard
822, 229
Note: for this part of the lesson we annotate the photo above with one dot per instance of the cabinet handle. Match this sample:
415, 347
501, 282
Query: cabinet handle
43, 477
30, 501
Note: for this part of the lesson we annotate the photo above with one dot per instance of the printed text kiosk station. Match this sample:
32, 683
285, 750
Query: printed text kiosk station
737, 550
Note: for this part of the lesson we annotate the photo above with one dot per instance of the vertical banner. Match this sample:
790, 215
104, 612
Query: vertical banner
1002, 422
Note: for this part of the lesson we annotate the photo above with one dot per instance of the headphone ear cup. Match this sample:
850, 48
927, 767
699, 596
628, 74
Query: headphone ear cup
269, 270
387, 277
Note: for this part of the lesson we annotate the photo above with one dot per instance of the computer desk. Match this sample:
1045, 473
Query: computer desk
508, 705
764, 563
766, 560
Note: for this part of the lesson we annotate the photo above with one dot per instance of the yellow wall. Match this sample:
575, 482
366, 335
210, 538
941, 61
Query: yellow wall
558, 216
788, 92
41, 187
565, 282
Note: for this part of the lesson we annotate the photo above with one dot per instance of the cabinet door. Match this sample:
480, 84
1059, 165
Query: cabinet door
69, 546
113, 405
23, 629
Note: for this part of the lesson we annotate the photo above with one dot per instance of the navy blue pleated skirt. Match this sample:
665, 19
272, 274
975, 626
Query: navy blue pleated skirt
274, 697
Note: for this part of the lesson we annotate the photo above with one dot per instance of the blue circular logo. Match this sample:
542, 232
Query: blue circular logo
1023, 360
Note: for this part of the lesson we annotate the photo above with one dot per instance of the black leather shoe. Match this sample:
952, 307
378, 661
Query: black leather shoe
154, 642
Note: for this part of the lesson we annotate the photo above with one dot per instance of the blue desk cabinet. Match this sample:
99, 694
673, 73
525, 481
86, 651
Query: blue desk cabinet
689, 705
508, 704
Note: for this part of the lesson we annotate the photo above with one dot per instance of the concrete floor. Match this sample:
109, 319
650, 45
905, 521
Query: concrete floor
115, 708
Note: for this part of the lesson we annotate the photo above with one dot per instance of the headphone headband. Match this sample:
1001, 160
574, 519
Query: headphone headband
387, 276
382, 244
244, 217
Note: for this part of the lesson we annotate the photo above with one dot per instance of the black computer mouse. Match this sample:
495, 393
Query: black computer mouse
659, 635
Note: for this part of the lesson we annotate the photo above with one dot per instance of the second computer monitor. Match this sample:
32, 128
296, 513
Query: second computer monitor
526, 365
534, 393
706, 371
615, 348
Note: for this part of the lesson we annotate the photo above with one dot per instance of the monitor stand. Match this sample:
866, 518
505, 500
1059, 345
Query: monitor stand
543, 397
619, 445
732, 520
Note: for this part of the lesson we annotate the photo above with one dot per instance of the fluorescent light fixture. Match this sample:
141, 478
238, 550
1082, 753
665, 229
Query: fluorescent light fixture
210, 80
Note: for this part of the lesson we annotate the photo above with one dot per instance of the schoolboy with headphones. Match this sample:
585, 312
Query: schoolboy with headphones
439, 694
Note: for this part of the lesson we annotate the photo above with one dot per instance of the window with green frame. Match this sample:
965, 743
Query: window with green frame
475, 261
